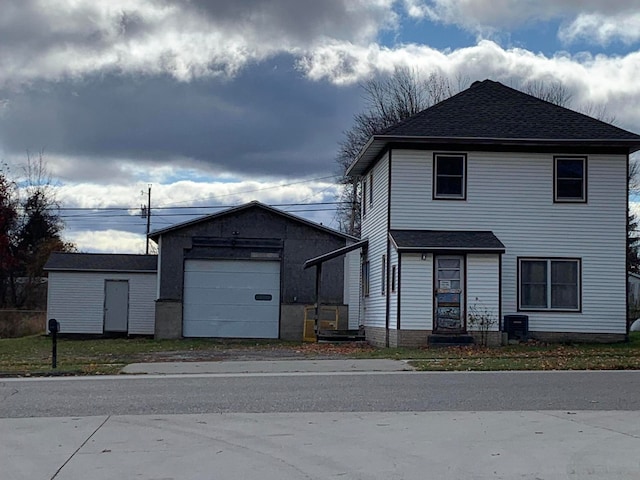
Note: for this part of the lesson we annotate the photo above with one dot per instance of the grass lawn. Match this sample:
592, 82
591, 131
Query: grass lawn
32, 355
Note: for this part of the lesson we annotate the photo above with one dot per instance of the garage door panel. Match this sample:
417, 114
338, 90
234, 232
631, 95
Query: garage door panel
228, 279
231, 266
228, 297
229, 329
238, 299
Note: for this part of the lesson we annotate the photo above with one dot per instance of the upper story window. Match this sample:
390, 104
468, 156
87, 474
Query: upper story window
549, 284
449, 176
570, 179
370, 189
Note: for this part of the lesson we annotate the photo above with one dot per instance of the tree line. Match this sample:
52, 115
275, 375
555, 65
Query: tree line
30, 230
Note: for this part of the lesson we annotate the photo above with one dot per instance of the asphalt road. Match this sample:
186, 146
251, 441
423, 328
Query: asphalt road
326, 392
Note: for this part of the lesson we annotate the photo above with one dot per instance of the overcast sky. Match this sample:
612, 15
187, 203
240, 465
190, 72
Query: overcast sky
223, 102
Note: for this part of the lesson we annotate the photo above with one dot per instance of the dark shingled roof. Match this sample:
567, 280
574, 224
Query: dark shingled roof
489, 112
444, 240
492, 110
101, 262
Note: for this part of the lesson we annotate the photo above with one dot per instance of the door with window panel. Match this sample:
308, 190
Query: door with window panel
449, 294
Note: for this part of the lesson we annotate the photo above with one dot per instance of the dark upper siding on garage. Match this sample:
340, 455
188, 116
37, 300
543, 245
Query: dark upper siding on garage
300, 241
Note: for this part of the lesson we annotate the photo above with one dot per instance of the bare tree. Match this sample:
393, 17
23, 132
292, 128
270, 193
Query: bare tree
557, 93
554, 92
388, 101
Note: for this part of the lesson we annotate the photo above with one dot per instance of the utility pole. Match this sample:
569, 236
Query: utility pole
148, 217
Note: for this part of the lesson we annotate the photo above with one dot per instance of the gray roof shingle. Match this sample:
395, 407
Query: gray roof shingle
101, 262
490, 109
444, 240
490, 113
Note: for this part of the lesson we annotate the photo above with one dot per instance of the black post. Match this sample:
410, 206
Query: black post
318, 305
54, 327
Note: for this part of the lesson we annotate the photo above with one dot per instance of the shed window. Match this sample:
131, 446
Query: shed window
449, 176
549, 284
570, 179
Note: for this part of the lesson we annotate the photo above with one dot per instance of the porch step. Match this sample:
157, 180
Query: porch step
439, 340
340, 336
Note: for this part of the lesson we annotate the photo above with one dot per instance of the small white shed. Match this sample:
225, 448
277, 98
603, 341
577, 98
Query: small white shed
94, 293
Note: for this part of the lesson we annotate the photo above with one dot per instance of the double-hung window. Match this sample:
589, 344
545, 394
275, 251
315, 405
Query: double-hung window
570, 179
549, 284
449, 176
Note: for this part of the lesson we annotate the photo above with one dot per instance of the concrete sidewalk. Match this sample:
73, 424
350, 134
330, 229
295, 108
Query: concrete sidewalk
290, 446
269, 366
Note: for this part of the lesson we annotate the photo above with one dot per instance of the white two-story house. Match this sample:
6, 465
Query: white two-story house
498, 203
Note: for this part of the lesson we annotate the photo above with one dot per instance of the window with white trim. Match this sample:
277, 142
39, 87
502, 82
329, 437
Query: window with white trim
370, 189
549, 284
570, 179
449, 176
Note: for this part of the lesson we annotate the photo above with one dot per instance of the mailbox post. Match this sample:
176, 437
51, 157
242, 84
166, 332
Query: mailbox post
54, 328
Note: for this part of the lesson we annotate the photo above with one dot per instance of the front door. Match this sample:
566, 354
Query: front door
116, 305
449, 294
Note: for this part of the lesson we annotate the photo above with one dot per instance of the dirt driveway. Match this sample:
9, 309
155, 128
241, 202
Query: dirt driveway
328, 351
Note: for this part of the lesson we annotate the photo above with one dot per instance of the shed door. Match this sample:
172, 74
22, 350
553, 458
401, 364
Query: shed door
116, 305
231, 298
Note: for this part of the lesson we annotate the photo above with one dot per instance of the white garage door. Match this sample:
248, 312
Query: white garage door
231, 299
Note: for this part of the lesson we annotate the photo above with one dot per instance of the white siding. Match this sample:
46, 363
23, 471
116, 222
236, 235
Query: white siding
416, 292
374, 227
512, 195
76, 300
352, 287
483, 285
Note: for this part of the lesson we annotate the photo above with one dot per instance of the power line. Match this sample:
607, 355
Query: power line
126, 209
120, 215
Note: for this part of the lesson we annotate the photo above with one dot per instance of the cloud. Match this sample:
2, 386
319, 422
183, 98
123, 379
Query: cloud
107, 241
269, 121
61, 39
597, 80
597, 21
595, 28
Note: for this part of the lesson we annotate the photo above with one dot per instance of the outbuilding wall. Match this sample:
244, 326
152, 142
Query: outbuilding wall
76, 300
298, 243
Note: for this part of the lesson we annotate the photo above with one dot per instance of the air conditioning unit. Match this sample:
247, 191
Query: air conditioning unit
516, 326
